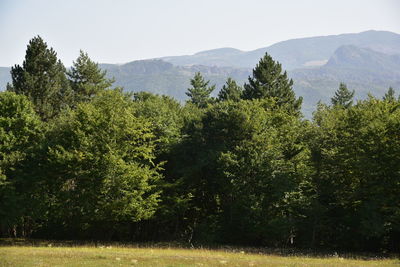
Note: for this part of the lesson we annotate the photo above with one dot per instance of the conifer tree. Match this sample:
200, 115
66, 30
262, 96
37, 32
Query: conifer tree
200, 92
390, 95
230, 91
268, 80
343, 97
86, 78
42, 79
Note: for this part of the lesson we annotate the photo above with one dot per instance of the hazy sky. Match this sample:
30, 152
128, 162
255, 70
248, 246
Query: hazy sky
118, 31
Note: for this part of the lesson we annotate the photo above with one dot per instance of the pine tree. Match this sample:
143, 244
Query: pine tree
86, 78
343, 97
390, 95
42, 79
200, 92
269, 81
230, 91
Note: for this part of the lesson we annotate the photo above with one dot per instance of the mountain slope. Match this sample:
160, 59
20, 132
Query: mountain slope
362, 69
158, 76
365, 61
215, 57
295, 53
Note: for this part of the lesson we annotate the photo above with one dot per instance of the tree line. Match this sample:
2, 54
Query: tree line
80, 159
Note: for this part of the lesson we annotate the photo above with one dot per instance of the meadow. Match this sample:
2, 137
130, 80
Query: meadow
108, 255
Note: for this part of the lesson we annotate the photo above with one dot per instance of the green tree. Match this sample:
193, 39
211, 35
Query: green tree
240, 160
20, 132
42, 79
200, 92
100, 167
230, 91
390, 95
343, 97
355, 153
87, 79
165, 115
268, 80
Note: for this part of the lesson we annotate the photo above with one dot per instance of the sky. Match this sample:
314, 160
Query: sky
119, 31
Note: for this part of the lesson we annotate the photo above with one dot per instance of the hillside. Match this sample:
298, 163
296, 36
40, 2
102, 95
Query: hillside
367, 62
361, 69
295, 53
161, 77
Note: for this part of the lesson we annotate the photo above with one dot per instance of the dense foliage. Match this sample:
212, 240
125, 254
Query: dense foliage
244, 168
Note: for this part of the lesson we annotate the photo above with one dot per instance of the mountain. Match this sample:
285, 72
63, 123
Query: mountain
362, 69
157, 76
294, 53
162, 77
217, 57
367, 62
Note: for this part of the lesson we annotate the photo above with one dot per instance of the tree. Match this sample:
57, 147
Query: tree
100, 167
355, 152
164, 114
42, 79
200, 92
20, 132
237, 164
343, 97
230, 91
269, 81
390, 95
86, 78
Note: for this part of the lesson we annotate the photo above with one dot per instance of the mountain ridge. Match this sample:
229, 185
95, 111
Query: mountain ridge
367, 61
294, 53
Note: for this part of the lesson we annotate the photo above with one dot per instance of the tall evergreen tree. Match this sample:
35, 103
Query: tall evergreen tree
200, 92
268, 80
86, 78
343, 97
42, 79
230, 91
390, 95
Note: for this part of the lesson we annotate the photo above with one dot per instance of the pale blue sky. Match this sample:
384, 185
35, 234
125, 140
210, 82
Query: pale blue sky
118, 31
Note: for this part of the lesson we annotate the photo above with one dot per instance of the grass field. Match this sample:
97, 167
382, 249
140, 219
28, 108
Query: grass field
129, 256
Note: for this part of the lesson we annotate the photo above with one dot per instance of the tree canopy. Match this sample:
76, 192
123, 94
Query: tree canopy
242, 169
42, 79
230, 91
343, 97
268, 80
199, 93
86, 78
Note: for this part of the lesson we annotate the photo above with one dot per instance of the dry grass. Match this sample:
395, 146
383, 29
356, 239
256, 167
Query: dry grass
125, 256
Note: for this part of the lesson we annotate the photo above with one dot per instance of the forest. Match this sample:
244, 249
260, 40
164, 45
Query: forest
81, 159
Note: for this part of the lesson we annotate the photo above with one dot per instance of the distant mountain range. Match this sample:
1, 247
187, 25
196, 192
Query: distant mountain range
162, 77
367, 62
294, 53
362, 69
